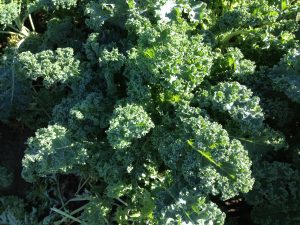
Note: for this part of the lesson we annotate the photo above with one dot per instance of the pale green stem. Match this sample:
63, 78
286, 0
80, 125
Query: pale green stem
64, 214
9, 32
31, 22
120, 200
72, 214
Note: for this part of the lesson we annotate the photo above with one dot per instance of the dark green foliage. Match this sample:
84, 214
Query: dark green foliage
11, 210
52, 4
286, 75
238, 102
14, 93
8, 13
6, 177
262, 31
275, 182
128, 123
63, 33
231, 66
197, 148
95, 212
194, 210
149, 112
52, 151
53, 67
99, 13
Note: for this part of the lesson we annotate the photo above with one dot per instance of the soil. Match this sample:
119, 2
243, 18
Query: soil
238, 212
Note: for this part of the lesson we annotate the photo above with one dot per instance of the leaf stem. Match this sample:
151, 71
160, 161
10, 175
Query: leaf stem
120, 200
64, 214
9, 32
210, 159
31, 22
72, 213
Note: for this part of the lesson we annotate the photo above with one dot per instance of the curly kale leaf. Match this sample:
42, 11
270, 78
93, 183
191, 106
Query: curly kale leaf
9, 12
260, 30
14, 93
117, 12
54, 67
90, 115
116, 168
13, 14
100, 12
111, 62
128, 123
278, 110
138, 210
167, 60
231, 66
238, 101
93, 48
190, 208
63, 33
286, 75
96, 211
11, 210
61, 112
263, 143
52, 4
52, 150
65, 4
109, 168
101, 48
6, 177
252, 14
202, 153
23, 99
275, 182
285, 213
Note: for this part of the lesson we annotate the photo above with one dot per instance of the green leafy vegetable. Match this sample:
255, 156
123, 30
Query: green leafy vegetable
151, 112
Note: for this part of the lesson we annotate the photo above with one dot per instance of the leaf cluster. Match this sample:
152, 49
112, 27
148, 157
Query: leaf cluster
144, 110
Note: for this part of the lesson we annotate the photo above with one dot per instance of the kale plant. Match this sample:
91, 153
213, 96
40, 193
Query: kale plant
152, 112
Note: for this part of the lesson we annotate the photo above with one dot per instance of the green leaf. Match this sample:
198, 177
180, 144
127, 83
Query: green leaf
207, 155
